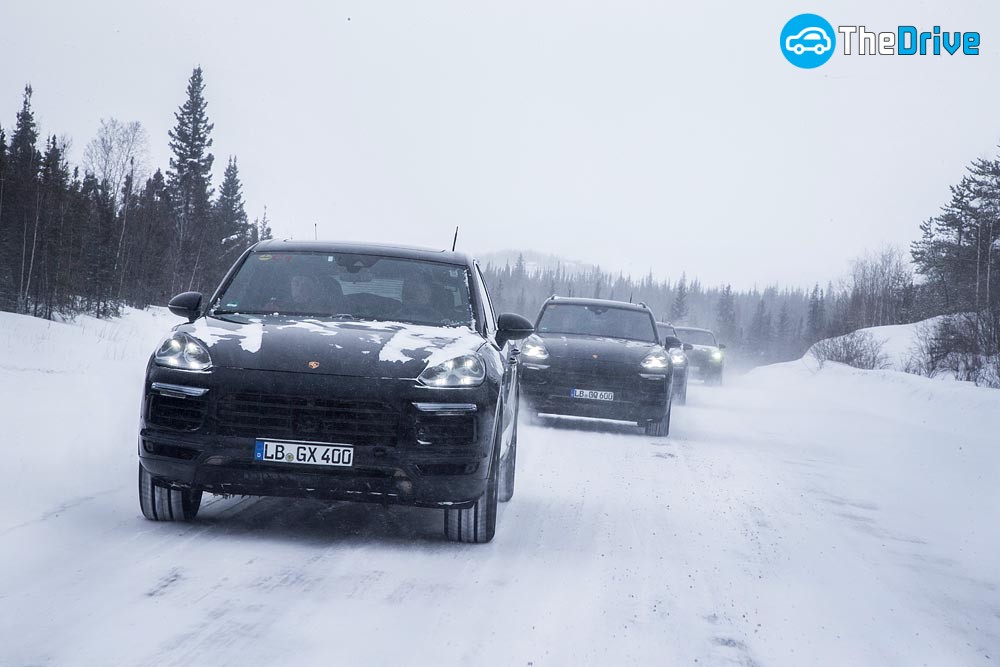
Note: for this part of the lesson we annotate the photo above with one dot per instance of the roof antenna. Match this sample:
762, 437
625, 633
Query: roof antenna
454, 241
316, 231
630, 296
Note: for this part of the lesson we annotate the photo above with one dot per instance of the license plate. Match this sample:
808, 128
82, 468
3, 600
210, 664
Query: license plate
593, 394
304, 453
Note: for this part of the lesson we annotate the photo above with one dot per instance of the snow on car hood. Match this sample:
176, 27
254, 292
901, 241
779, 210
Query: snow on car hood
358, 349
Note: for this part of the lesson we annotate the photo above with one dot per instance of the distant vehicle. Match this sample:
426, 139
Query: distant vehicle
341, 372
707, 357
809, 39
598, 358
678, 359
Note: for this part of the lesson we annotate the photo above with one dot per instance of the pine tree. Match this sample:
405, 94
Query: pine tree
6, 276
190, 181
679, 308
231, 220
725, 315
21, 206
760, 335
784, 345
816, 321
147, 277
520, 271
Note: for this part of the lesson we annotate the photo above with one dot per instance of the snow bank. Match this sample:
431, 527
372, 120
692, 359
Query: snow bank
899, 342
71, 398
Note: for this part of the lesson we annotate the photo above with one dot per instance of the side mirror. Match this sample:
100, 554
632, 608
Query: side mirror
186, 304
687, 347
511, 326
722, 346
670, 342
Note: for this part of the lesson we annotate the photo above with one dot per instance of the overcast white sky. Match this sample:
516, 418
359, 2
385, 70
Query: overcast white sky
629, 134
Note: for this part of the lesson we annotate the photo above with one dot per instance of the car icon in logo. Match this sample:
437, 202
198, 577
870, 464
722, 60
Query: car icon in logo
810, 39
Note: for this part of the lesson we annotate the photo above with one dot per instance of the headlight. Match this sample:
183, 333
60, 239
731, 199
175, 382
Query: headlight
716, 355
677, 358
185, 352
465, 371
657, 360
534, 348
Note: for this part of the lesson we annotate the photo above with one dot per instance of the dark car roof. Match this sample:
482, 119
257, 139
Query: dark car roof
695, 329
607, 303
404, 252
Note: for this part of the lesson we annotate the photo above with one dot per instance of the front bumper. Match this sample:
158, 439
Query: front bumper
405, 449
706, 368
638, 397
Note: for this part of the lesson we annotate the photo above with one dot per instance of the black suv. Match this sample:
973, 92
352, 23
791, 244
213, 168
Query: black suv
678, 359
336, 371
598, 358
707, 357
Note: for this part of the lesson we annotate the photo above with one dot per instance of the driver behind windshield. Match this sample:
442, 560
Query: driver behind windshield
308, 296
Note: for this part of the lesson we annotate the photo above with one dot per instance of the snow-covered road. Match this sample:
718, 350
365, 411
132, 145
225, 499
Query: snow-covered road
795, 517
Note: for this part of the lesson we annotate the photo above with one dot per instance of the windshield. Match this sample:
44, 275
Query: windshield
350, 286
604, 321
697, 336
665, 331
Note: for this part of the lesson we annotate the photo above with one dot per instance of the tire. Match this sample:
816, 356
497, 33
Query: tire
159, 502
478, 523
682, 393
661, 427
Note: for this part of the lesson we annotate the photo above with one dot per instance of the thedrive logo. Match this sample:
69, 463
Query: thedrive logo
808, 41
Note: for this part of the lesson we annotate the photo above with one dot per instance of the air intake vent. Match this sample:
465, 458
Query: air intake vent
181, 414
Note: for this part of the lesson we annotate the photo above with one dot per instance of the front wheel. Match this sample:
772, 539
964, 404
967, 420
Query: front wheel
661, 427
159, 502
478, 523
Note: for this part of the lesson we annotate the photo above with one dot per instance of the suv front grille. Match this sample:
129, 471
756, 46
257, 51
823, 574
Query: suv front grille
308, 418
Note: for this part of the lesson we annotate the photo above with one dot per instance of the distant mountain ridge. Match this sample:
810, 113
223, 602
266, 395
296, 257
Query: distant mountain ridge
534, 261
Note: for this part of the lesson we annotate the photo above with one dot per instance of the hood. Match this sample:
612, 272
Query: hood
358, 349
610, 350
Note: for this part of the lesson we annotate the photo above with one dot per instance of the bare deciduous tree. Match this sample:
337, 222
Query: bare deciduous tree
878, 285
858, 349
117, 150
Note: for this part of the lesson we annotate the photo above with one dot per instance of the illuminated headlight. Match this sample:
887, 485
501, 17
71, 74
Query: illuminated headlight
465, 371
657, 360
534, 348
184, 352
716, 355
678, 359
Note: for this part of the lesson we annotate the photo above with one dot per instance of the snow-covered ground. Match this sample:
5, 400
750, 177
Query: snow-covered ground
794, 517
900, 341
